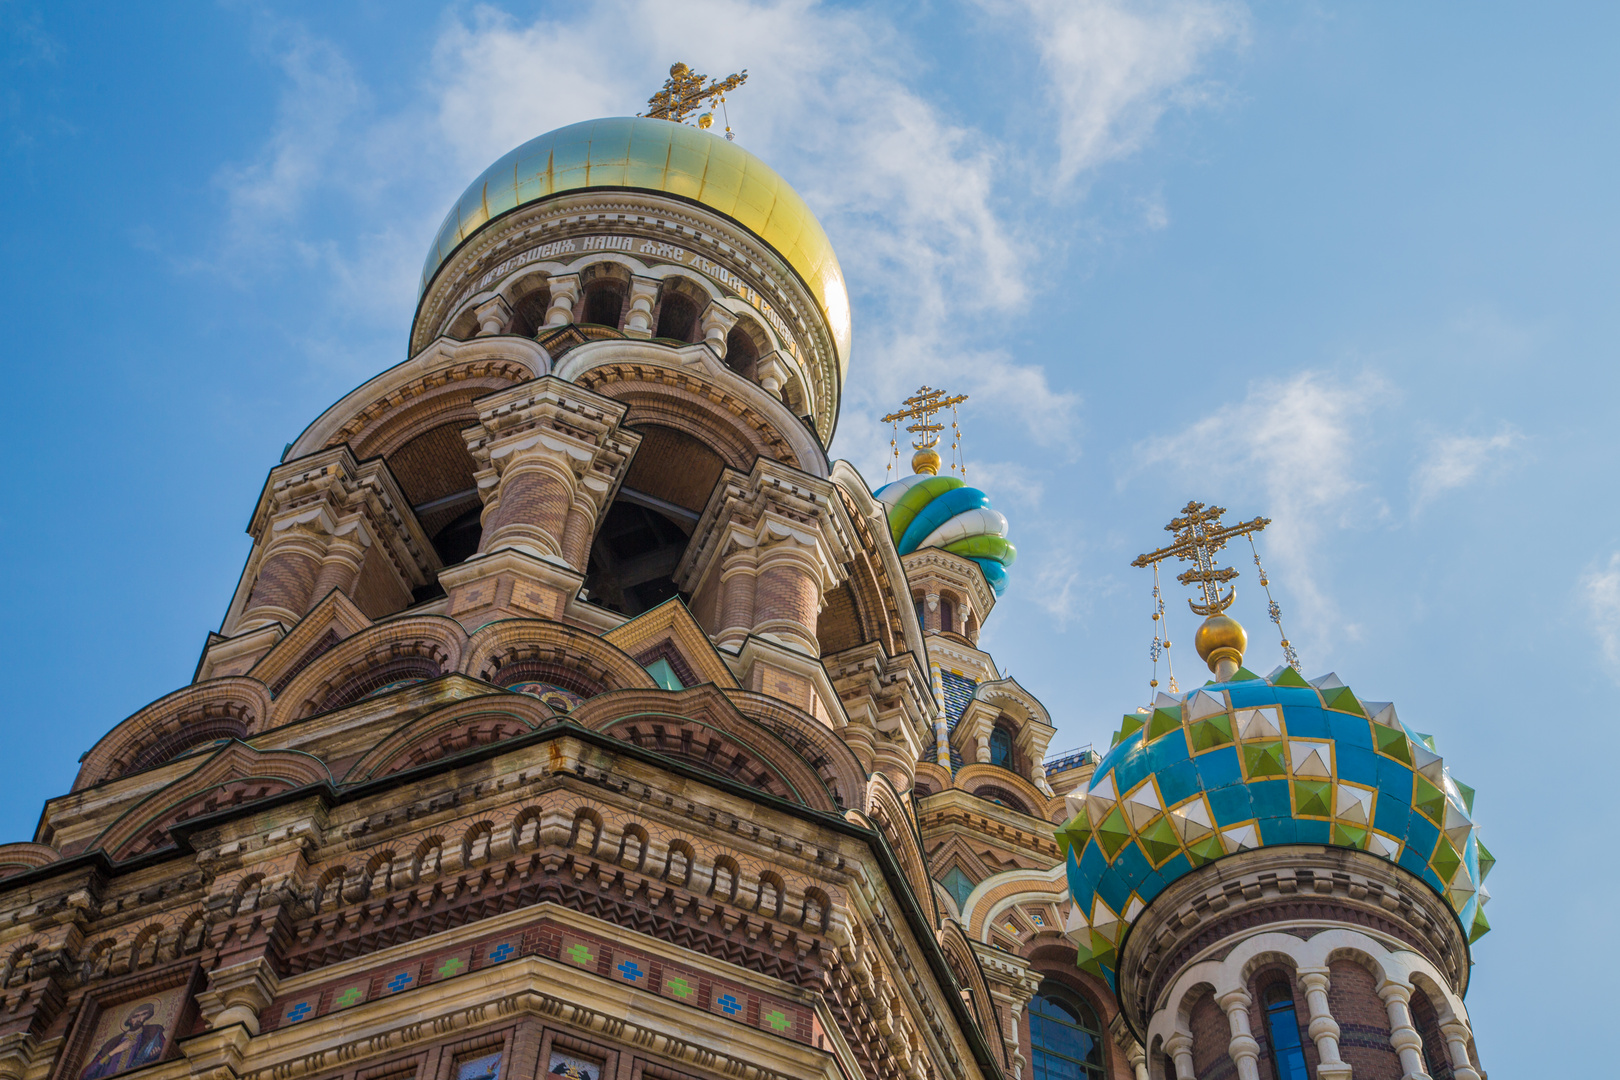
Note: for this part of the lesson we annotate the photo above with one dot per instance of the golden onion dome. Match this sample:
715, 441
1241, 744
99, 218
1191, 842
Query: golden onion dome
672, 159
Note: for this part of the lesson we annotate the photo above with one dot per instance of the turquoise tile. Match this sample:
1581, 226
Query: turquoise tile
1178, 782
1218, 768
1270, 798
1260, 693
1117, 753
1231, 805
1114, 891
1277, 830
1167, 750
1391, 815
1153, 885
1313, 832
1306, 721
1093, 864
1176, 867
1395, 778
1350, 730
1421, 833
1415, 860
1357, 764
1133, 769
1132, 865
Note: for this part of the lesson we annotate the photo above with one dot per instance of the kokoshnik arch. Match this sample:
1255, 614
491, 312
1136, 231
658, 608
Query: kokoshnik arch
576, 715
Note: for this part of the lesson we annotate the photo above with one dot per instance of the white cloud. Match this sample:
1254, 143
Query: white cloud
938, 223
1455, 461
1114, 68
1601, 589
1294, 445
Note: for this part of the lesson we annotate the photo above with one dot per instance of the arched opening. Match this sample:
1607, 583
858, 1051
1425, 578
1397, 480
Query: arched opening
644, 533
947, 615
1282, 1031
529, 312
917, 605
742, 350
1001, 747
1064, 1036
603, 303
677, 318
435, 471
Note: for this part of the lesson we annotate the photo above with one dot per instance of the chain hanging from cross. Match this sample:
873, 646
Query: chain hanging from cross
1199, 535
921, 408
684, 92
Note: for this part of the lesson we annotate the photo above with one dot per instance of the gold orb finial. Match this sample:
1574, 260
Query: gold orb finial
1221, 642
926, 460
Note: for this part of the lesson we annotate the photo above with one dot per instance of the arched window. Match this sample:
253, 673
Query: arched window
677, 318
1282, 1025
604, 302
947, 615
1065, 1036
917, 603
1001, 747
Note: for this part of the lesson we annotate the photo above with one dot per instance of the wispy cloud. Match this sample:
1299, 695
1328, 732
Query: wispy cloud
938, 222
1114, 68
1455, 461
1293, 445
1600, 589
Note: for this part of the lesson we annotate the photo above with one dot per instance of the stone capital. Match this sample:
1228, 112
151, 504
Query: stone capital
238, 993
493, 315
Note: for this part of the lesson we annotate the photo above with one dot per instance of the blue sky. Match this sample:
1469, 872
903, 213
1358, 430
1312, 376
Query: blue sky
1352, 266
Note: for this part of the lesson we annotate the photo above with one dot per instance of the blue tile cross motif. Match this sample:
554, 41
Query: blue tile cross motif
501, 952
399, 982
297, 1012
728, 1004
631, 971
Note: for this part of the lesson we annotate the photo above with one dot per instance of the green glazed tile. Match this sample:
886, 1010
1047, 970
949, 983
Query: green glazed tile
1131, 722
1290, 677
1445, 860
1206, 850
1480, 928
1429, 800
1212, 731
1486, 861
1313, 798
1113, 832
1342, 700
1349, 836
1262, 759
1159, 840
1164, 721
1392, 743
1467, 794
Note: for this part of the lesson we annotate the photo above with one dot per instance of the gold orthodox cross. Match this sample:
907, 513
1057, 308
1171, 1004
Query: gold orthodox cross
1199, 535
921, 407
684, 92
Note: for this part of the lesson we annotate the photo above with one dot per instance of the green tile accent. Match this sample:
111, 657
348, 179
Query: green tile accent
1206, 850
1349, 836
680, 987
1262, 759
1290, 677
1131, 722
1113, 832
1391, 742
1342, 700
1159, 840
451, 967
1486, 861
1313, 798
1428, 800
1164, 721
1074, 833
777, 1020
1467, 794
1212, 731
580, 955
1480, 928
351, 996
1243, 674
1445, 860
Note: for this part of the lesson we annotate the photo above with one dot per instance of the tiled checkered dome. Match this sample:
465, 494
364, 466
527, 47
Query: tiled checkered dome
1254, 763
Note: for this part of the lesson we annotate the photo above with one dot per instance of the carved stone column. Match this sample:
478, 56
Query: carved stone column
643, 294
493, 316
1462, 1063
1243, 1048
318, 520
1179, 1047
564, 295
1323, 1029
1402, 1035
716, 323
237, 994
789, 530
547, 449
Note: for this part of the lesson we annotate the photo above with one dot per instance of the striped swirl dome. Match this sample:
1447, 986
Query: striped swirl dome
943, 512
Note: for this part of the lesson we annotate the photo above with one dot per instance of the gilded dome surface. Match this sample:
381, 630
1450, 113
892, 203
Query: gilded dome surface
1256, 763
659, 156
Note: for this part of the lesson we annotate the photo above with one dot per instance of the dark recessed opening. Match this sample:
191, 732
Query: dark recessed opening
604, 301
741, 353
677, 318
635, 554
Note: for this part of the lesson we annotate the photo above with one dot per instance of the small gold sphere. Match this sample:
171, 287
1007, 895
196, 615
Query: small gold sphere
925, 461
1221, 636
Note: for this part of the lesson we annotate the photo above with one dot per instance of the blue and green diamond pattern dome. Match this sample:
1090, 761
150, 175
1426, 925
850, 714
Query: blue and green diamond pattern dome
943, 512
1256, 763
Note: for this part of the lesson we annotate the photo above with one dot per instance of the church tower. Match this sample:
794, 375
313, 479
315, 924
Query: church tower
577, 716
